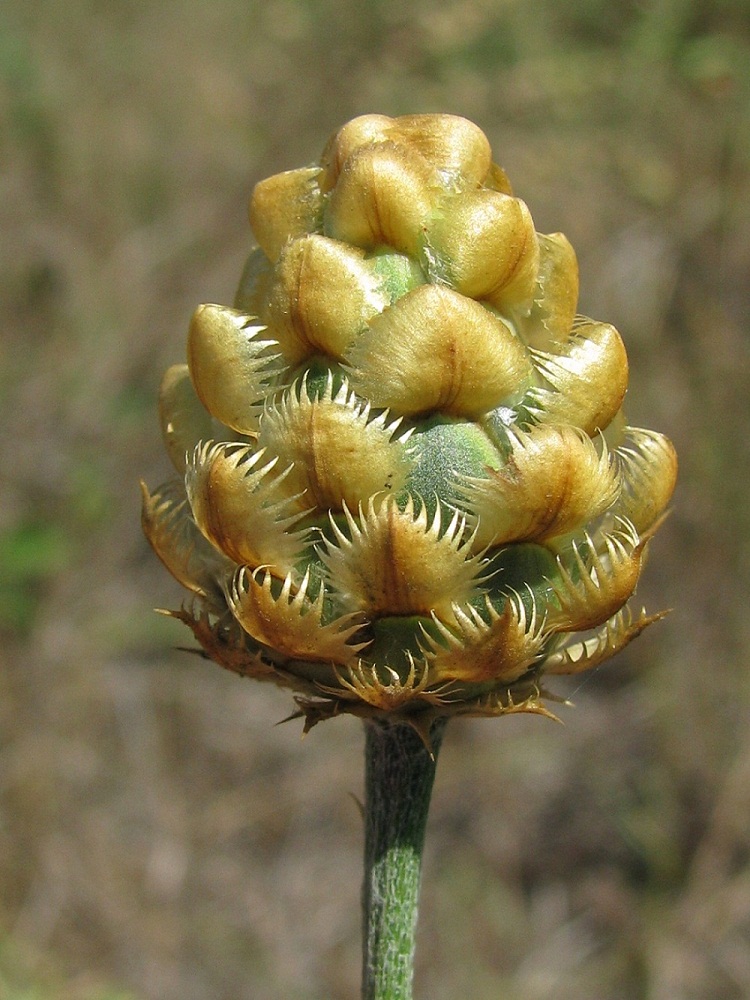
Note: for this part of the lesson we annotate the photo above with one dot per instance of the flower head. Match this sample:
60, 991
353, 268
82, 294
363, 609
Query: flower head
404, 484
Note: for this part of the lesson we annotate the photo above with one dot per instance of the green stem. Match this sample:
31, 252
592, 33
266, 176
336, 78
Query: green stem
399, 773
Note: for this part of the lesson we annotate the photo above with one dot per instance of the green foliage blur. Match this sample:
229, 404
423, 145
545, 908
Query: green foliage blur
160, 838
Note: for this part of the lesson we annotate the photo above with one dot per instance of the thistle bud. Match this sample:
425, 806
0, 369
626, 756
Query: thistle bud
405, 485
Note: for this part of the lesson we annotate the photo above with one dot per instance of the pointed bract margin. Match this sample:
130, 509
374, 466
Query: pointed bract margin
396, 562
291, 623
232, 366
362, 682
613, 636
649, 474
239, 505
174, 537
598, 583
499, 647
313, 711
221, 640
554, 481
184, 419
526, 698
505, 702
588, 378
338, 452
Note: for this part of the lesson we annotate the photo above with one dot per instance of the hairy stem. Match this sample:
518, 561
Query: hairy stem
399, 774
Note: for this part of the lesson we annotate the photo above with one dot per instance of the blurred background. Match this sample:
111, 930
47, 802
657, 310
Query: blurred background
160, 836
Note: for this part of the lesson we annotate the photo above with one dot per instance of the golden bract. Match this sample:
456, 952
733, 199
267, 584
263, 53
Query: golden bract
393, 491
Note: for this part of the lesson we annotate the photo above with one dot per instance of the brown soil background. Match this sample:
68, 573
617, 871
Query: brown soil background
160, 837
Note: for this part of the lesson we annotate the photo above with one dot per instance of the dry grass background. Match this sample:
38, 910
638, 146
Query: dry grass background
159, 837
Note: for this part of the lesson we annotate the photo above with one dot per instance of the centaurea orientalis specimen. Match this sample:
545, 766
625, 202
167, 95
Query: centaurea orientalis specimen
405, 487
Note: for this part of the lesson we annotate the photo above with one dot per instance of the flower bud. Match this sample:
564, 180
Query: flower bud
406, 487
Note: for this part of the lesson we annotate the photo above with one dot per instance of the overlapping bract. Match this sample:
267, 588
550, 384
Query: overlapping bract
404, 484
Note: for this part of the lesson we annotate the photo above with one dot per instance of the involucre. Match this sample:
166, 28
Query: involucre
405, 487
